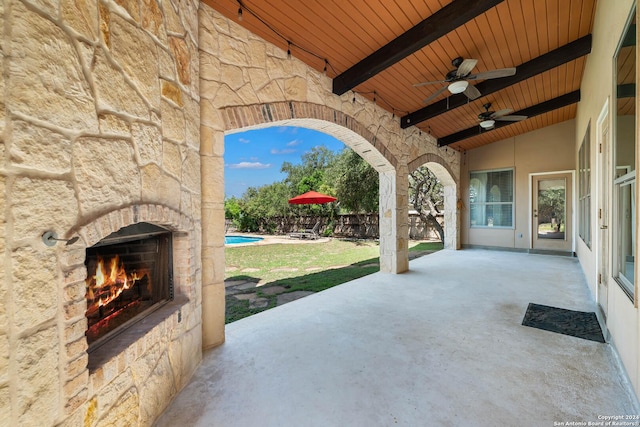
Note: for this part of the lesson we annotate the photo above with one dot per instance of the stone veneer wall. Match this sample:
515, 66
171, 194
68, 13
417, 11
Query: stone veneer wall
247, 83
99, 120
100, 124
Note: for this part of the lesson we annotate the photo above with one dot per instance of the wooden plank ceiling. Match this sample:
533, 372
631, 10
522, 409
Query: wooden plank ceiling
393, 44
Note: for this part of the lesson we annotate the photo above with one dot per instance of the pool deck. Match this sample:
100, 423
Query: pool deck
273, 239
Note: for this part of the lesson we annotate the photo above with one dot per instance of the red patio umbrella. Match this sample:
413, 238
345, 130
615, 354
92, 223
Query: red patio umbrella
310, 198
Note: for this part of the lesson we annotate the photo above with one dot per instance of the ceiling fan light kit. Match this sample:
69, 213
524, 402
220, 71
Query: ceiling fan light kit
458, 79
458, 86
488, 118
487, 124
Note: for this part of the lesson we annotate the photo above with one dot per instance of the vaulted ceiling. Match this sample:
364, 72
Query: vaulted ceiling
381, 48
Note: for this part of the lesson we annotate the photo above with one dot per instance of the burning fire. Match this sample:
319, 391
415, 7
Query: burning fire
110, 281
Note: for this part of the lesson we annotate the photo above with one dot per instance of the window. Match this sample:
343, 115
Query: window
624, 184
625, 200
584, 190
491, 198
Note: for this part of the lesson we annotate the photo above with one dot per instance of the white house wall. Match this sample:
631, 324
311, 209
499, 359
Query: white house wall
548, 149
623, 321
529, 153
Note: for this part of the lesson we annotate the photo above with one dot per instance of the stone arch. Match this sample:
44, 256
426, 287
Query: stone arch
245, 82
164, 216
313, 116
114, 220
356, 136
448, 179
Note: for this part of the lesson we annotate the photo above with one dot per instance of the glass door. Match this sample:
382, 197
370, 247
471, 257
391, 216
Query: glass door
552, 212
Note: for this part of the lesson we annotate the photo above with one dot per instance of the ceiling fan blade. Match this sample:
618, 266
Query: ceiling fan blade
511, 118
466, 67
472, 93
493, 74
429, 83
501, 113
435, 94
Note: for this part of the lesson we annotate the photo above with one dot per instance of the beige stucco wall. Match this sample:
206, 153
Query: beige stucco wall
623, 319
544, 150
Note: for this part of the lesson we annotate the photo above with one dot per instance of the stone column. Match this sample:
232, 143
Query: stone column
451, 217
394, 221
213, 294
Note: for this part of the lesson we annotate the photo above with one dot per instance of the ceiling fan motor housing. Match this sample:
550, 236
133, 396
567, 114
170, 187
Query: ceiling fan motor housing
452, 76
486, 115
457, 61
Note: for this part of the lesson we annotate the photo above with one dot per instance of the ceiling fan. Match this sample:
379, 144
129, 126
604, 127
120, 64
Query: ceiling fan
458, 79
488, 118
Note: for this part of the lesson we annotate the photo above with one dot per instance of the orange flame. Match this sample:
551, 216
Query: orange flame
114, 277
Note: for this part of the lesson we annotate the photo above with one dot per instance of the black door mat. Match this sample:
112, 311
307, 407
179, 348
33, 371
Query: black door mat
579, 324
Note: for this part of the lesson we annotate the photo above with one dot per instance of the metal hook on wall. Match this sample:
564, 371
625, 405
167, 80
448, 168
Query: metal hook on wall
50, 238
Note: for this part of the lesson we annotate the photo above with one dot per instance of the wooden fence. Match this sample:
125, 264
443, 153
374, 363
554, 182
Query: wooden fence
349, 225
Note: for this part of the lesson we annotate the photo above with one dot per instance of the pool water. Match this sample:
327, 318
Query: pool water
235, 240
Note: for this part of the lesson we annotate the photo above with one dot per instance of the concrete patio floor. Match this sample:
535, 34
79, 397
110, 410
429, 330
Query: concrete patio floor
441, 345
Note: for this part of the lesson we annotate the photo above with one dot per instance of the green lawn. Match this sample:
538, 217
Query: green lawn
303, 267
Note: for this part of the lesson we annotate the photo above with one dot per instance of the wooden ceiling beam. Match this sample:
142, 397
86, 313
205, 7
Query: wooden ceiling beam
447, 19
535, 110
538, 65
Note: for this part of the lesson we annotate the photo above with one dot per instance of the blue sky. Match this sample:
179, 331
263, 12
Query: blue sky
253, 158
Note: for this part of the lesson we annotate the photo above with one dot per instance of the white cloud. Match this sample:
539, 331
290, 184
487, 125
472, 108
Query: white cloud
244, 140
249, 165
285, 151
294, 143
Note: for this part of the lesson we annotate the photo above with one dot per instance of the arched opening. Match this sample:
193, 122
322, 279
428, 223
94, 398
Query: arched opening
357, 142
438, 166
375, 140
371, 155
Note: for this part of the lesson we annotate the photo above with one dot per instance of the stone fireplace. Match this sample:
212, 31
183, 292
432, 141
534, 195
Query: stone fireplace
100, 144
129, 275
133, 350
114, 115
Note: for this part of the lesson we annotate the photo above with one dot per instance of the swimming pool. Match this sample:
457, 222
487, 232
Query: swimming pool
235, 240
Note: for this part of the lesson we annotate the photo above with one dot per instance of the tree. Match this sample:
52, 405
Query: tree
356, 185
311, 182
551, 205
232, 208
233, 212
309, 174
265, 203
426, 195
345, 175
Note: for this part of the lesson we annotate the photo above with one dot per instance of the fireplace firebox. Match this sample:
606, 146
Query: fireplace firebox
129, 275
